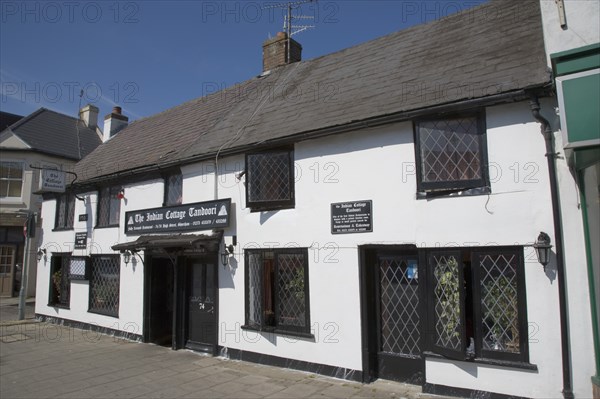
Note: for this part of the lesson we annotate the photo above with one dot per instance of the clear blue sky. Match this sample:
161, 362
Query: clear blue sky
148, 56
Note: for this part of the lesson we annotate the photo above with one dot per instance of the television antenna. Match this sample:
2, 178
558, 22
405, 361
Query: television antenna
289, 27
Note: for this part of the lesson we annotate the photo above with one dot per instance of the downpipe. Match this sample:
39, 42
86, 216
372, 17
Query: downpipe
551, 155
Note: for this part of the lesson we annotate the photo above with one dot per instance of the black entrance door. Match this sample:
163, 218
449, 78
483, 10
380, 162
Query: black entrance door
394, 317
160, 301
200, 331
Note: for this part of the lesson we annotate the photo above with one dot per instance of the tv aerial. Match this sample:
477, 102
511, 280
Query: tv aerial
290, 27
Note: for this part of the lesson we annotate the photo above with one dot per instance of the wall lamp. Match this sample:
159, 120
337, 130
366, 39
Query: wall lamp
229, 249
126, 256
542, 248
41, 253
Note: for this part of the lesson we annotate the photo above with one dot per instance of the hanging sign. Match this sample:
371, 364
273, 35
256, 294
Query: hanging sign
52, 180
352, 217
198, 216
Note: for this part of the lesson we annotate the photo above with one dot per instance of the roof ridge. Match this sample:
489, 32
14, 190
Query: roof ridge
27, 118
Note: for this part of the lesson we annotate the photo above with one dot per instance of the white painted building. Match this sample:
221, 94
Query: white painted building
371, 226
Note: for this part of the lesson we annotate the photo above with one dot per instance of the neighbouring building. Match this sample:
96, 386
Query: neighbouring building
572, 37
367, 214
43, 139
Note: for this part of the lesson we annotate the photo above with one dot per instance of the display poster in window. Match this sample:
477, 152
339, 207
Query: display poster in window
352, 217
197, 216
80, 240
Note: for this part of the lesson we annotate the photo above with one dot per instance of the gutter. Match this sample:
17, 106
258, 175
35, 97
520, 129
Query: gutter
401, 116
558, 237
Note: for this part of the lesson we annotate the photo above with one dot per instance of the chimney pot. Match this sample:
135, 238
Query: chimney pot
117, 110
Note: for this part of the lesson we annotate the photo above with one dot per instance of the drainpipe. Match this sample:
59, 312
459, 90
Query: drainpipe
558, 237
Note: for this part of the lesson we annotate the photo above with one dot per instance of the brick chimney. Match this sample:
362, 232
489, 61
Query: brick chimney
113, 123
89, 116
275, 52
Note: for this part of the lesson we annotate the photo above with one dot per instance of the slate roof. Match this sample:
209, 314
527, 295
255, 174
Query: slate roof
7, 119
56, 134
488, 50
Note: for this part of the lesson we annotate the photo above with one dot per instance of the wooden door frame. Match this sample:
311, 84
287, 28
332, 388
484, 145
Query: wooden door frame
181, 293
12, 268
369, 320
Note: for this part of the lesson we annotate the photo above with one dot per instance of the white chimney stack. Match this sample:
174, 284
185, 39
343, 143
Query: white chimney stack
89, 116
113, 123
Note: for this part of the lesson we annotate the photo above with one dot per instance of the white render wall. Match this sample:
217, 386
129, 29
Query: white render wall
143, 195
583, 25
374, 164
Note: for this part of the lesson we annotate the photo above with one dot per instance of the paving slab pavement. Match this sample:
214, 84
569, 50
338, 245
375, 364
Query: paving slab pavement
9, 309
43, 360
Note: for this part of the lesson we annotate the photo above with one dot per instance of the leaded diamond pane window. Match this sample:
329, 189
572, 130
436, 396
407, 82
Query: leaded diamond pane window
174, 189
477, 303
447, 280
499, 302
290, 286
65, 211
105, 280
254, 290
277, 290
109, 206
451, 153
270, 179
399, 318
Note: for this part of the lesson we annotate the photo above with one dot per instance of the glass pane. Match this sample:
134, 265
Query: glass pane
14, 188
103, 206
174, 187
254, 316
115, 206
77, 268
104, 284
448, 323
70, 210
399, 299
269, 177
11, 170
61, 212
450, 150
291, 299
500, 321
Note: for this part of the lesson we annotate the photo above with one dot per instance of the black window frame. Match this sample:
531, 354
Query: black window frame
60, 261
66, 219
167, 188
476, 312
425, 189
267, 204
92, 291
275, 326
105, 197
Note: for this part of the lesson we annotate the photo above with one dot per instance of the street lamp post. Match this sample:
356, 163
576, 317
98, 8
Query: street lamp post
29, 233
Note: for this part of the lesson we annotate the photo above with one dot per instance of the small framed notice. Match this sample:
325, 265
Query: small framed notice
352, 217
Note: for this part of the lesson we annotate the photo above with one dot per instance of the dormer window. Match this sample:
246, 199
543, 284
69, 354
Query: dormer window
270, 180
